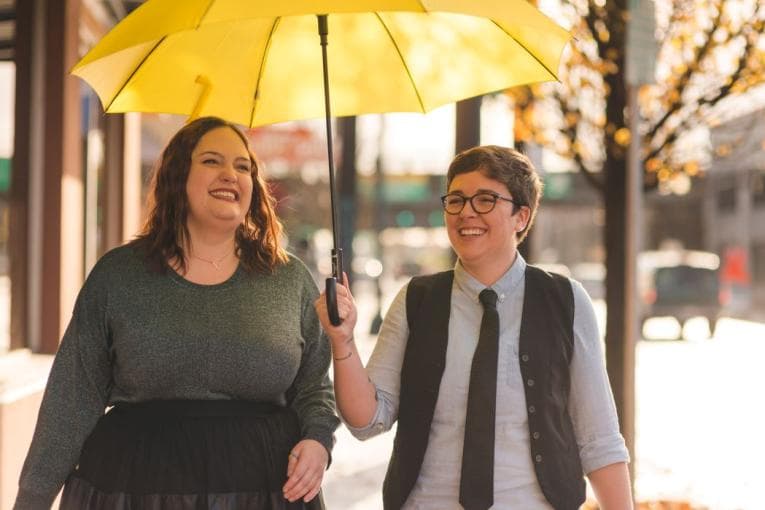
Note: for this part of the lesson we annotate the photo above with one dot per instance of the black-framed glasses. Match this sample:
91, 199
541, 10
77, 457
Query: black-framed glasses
482, 202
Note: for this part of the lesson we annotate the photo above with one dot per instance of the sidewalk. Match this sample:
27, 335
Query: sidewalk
354, 481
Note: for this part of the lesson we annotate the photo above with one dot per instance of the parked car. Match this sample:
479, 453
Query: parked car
683, 287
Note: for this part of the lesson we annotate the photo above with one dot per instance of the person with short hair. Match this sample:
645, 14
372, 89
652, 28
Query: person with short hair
493, 371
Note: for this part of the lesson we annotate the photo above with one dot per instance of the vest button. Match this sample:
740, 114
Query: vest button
530, 382
535, 435
532, 409
538, 458
525, 358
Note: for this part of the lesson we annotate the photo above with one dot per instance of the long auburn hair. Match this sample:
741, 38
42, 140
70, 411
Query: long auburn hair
165, 232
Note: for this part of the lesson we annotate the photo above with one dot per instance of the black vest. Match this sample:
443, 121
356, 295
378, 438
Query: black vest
545, 351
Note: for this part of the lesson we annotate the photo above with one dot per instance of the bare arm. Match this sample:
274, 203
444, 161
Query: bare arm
612, 487
354, 392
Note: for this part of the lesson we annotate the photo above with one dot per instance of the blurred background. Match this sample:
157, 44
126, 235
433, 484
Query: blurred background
652, 151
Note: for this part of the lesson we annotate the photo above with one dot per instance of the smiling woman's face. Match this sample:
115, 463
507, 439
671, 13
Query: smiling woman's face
484, 241
219, 186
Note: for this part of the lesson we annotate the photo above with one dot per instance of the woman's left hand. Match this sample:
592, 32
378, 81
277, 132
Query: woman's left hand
305, 471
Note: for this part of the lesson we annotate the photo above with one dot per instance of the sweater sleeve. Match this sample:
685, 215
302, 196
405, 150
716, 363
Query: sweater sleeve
311, 394
74, 399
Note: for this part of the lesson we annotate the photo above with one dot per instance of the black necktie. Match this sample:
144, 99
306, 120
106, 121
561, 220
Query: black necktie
477, 479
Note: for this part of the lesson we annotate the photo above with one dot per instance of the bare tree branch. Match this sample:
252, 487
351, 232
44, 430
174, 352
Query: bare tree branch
682, 82
703, 104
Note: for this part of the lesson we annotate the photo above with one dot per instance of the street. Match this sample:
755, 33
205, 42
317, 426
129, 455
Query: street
698, 431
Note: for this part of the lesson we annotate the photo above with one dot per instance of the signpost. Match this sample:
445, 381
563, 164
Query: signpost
641, 51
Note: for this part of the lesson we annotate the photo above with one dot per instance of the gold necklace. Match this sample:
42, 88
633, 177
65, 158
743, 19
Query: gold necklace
215, 263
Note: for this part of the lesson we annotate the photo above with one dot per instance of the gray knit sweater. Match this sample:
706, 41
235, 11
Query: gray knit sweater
138, 335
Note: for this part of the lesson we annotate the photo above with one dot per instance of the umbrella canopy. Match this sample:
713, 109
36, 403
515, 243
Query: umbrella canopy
257, 63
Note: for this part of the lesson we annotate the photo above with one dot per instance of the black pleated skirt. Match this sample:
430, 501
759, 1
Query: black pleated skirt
187, 455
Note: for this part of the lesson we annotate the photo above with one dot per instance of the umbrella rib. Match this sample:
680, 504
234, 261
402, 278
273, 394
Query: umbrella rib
133, 72
403, 62
204, 14
256, 93
526, 49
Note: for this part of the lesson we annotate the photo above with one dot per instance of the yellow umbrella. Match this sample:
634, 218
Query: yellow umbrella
257, 62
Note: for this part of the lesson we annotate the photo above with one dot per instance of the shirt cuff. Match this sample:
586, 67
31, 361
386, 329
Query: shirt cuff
603, 452
375, 426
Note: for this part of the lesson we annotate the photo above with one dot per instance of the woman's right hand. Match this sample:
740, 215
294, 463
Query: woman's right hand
340, 336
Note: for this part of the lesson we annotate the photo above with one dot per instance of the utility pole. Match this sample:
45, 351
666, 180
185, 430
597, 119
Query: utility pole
641, 50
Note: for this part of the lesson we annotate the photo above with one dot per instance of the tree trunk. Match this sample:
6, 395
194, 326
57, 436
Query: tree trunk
619, 337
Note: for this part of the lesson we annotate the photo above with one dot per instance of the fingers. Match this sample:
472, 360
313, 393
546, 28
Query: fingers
344, 289
306, 485
343, 296
291, 463
346, 309
347, 285
305, 471
346, 306
312, 494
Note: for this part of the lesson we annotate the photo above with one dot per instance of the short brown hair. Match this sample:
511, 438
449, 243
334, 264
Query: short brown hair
165, 232
507, 166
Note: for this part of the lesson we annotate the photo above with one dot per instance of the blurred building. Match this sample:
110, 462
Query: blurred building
734, 207
59, 207
569, 225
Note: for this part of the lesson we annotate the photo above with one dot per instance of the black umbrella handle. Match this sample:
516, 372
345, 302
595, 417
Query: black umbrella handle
331, 287
331, 295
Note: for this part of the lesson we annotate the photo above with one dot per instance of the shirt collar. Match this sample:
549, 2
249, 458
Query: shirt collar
506, 284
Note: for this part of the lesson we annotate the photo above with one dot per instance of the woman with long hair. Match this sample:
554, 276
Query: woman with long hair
200, 341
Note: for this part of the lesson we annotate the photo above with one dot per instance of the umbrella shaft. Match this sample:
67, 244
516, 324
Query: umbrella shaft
337, 257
